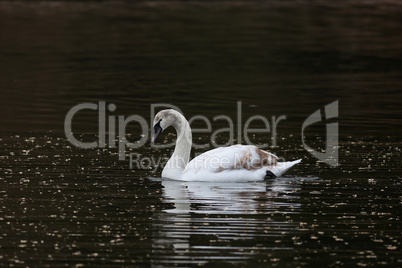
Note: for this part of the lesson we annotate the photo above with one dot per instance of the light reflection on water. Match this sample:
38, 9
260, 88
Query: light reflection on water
64, 206
228, 198
213, 221
59, 202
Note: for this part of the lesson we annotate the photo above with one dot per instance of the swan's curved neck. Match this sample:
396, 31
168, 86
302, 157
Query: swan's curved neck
181, 155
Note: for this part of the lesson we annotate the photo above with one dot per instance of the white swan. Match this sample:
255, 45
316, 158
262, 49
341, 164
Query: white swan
236, 163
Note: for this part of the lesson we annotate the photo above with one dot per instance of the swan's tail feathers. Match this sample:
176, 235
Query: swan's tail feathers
282, 167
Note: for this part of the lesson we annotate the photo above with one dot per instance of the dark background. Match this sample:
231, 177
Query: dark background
66, 206
278, 58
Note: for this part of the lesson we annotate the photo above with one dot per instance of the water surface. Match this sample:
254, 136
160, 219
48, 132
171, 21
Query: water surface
65, 206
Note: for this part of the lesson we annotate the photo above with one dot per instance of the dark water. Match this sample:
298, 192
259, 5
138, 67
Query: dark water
65, 206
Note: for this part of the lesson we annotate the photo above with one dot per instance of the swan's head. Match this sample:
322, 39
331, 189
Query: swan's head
163, 120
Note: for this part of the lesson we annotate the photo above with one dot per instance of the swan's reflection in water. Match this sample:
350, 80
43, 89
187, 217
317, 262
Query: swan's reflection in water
225, 222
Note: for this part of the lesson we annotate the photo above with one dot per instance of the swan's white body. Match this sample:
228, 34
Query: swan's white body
236, 163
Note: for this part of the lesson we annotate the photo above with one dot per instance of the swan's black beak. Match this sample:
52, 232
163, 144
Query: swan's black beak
157, 131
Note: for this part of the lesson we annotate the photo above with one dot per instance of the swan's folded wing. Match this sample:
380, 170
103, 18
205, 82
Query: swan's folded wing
237, 157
